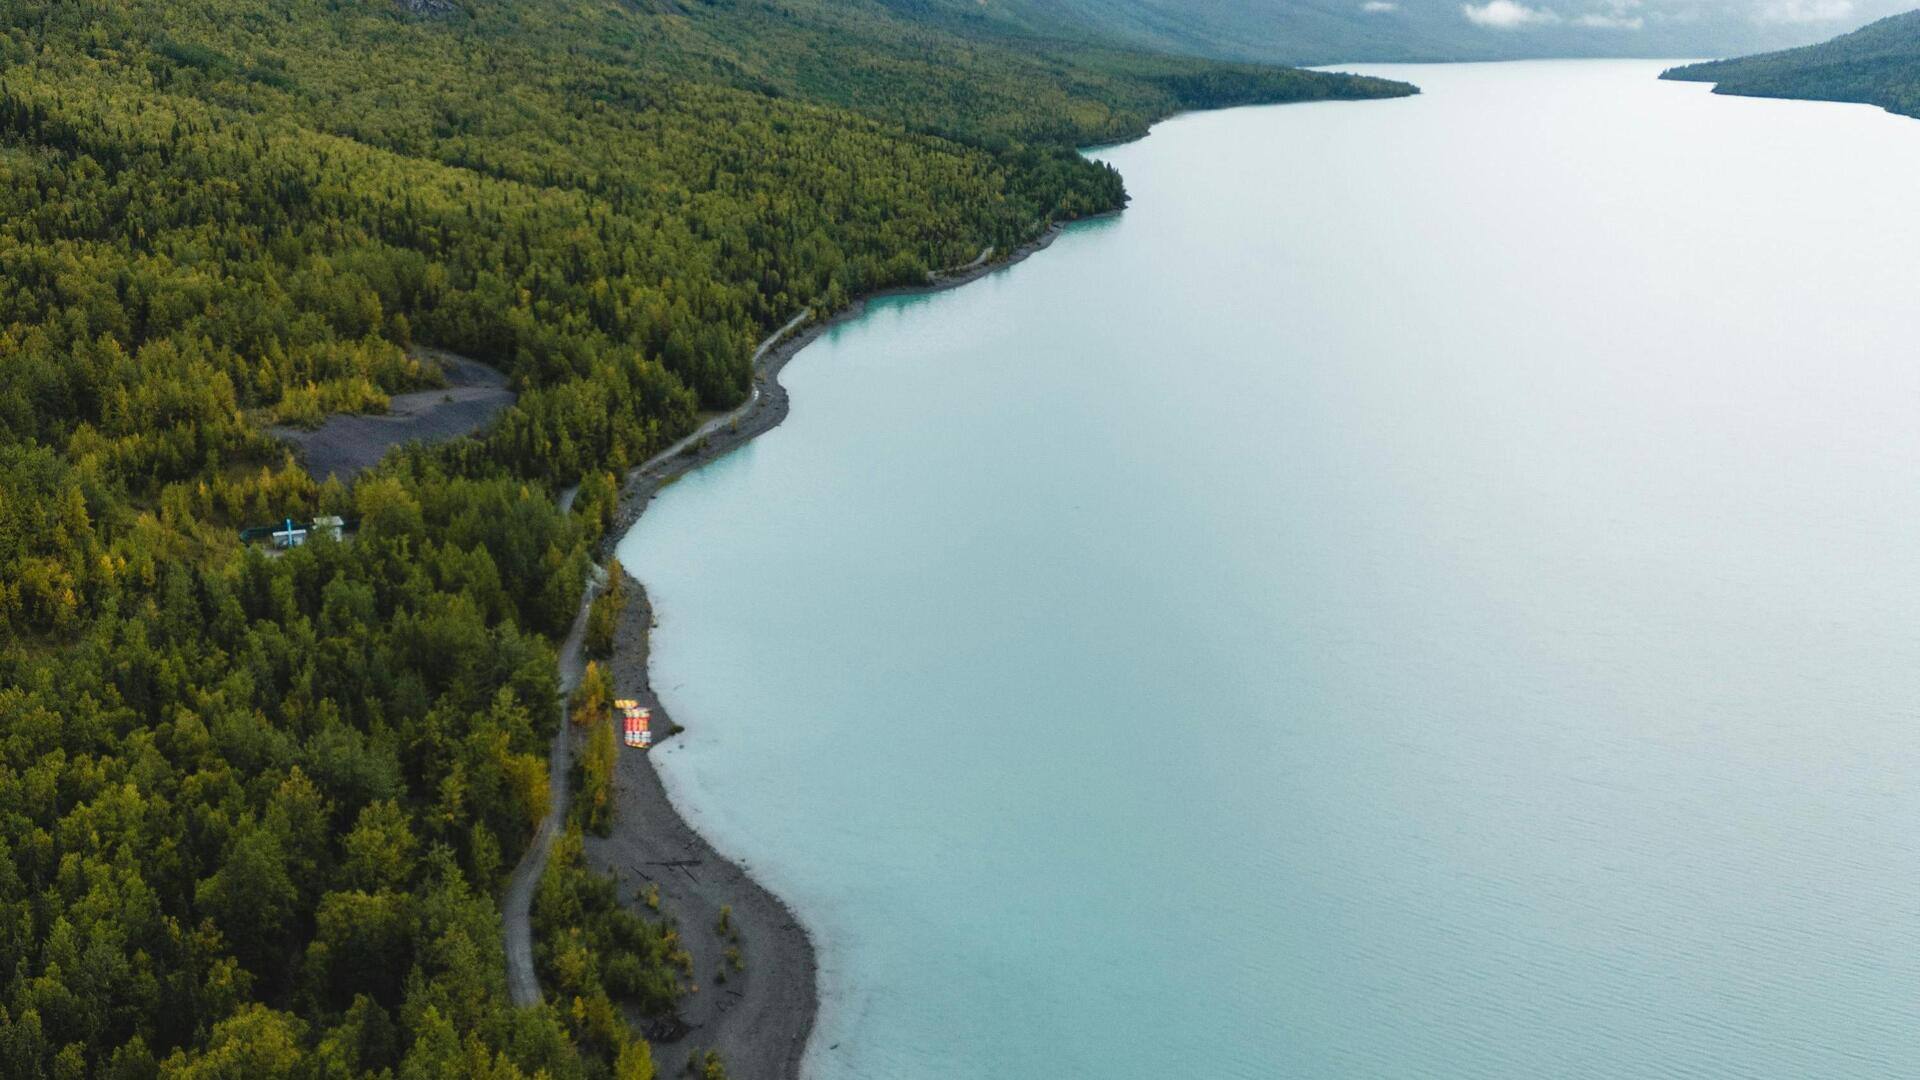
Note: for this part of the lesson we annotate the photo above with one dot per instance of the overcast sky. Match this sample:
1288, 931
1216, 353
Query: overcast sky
1343, 31
1799, 19
1666, 28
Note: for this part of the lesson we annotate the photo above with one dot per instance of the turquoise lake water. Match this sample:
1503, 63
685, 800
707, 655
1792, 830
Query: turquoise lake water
1432, 590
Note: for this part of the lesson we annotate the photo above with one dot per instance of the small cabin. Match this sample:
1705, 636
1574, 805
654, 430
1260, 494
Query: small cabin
291, 534
636, 723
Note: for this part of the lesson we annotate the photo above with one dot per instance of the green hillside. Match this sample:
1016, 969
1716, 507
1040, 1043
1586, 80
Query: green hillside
254, 810
1875, 65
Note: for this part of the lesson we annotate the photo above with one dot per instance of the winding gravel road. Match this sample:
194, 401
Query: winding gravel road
516, 903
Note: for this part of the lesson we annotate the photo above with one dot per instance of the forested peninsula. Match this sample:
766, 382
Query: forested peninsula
1878, 64
256, 807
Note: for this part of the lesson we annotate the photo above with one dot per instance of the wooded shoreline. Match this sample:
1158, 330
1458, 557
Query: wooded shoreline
762, 1018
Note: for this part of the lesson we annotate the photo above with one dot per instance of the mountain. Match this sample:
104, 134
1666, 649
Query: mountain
1875, 65
958, 67
1346, 31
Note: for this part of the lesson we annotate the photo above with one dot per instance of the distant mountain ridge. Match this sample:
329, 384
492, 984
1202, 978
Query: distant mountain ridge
1346, 31
1875, 65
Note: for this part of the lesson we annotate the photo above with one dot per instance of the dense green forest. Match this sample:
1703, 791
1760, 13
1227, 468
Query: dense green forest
254, 809
1875, 65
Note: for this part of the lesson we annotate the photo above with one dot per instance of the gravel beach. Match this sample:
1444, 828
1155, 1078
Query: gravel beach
760, 1018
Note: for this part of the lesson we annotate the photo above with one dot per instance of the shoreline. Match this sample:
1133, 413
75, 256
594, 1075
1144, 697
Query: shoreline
761, 1019
766, 406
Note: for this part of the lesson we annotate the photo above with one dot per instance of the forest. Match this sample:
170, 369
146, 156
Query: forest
255, 807
1878, 64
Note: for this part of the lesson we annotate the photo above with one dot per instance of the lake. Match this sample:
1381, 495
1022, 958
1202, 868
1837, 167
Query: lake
1432, 590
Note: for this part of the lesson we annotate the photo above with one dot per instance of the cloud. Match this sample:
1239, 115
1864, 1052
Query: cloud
1509, 14
1804, 11
1375, 7
1619, 15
